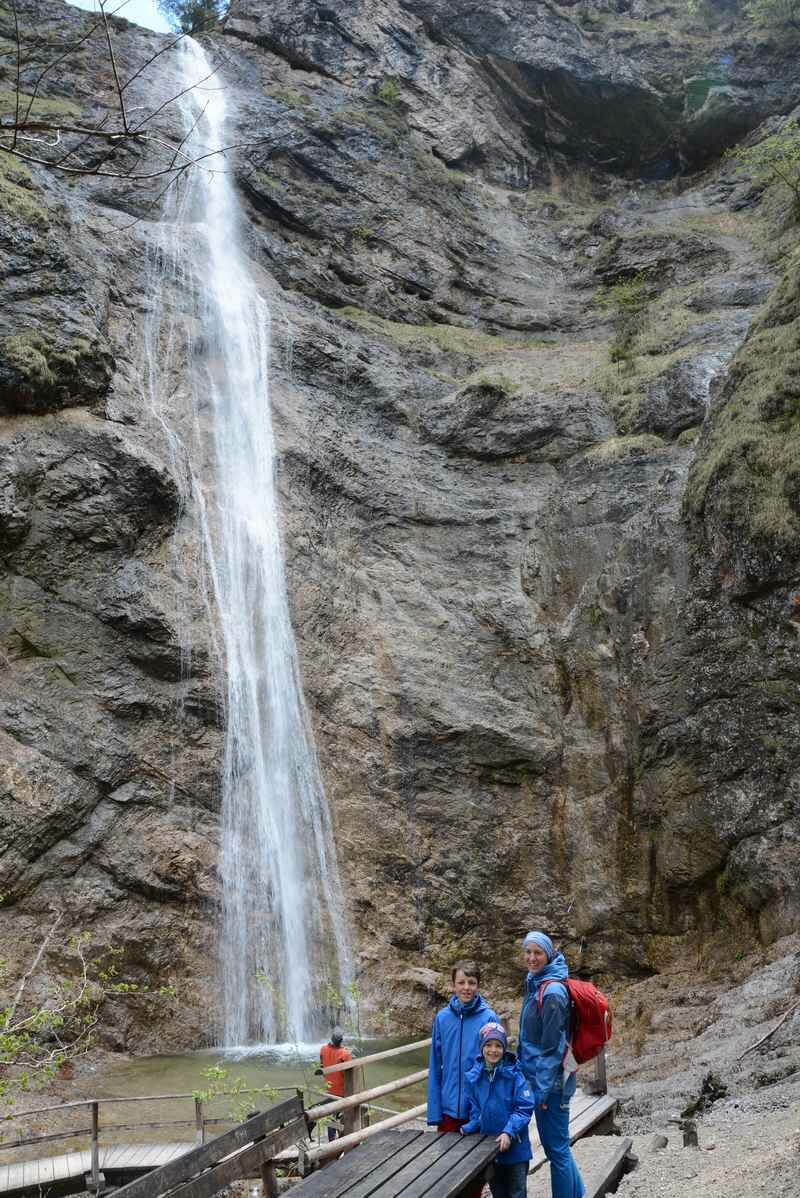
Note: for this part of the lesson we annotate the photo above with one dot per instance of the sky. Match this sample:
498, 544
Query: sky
142, 12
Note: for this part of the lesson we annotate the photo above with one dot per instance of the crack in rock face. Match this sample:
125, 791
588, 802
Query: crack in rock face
543, 564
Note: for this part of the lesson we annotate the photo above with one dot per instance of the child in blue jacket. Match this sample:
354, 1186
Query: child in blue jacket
500, 1103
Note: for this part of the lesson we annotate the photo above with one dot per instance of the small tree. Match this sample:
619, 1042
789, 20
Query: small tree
627, 300
776, 159
221, 1085
193, 16
51, 1018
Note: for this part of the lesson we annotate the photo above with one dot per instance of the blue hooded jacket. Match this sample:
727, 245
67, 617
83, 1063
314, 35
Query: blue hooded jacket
453, 1049
543, 1034
500, 1101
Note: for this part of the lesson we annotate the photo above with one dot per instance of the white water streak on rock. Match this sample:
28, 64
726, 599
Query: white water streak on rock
283, 941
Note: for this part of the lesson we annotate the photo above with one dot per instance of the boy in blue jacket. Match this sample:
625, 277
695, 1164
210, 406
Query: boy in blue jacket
500, 1103
454, 1046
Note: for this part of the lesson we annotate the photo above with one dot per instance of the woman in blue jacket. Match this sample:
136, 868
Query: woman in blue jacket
543, 1046
500, 1103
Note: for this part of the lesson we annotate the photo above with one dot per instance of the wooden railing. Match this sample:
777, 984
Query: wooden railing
199, 1122
354, 1110
354, 1107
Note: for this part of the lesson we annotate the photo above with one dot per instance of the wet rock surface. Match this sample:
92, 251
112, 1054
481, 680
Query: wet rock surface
550, 686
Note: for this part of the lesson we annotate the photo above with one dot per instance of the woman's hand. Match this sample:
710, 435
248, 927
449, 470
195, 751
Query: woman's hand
503, 1142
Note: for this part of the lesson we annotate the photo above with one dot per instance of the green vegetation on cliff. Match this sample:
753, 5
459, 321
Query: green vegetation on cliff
18, 194
747, 473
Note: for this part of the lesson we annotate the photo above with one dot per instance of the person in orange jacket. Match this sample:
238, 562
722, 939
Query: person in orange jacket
333, 1053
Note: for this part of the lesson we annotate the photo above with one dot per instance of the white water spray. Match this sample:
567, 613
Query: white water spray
283, 946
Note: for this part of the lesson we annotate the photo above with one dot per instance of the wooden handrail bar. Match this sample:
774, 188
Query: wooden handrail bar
345, 1104
357, 1062
54, 1135
64, 1106
323, 1151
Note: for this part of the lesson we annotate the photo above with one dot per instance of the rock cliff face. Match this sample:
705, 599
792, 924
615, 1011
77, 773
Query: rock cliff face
546, 603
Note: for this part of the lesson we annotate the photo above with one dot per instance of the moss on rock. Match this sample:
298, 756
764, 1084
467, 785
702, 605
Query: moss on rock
746, 476
616, 448
424, 338
38, 374
18, 194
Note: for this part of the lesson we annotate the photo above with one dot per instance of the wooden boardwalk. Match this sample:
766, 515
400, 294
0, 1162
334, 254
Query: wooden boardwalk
585, 1112
123, 1162
424, 1164
411, 1163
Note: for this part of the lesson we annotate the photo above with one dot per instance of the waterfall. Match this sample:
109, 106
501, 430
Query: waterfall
283, 958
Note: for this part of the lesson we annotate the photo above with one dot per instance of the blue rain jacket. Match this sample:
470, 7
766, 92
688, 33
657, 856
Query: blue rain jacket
454, 1047
543, 1035
500, 1101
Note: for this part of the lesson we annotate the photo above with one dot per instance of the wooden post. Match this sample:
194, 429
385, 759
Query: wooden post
96, 1147
269, 1180
351, 1119
601, 1077
199, 1132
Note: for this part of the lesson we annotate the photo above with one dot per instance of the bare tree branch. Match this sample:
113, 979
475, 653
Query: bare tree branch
26, 977
772, 1030
158, 174
113, 62
113, 133
177, 96
18, 65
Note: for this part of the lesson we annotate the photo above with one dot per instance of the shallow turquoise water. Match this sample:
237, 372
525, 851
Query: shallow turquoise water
285, 1066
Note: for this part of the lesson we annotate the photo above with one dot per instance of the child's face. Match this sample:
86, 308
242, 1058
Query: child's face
535, 957
465, 986
492, 1052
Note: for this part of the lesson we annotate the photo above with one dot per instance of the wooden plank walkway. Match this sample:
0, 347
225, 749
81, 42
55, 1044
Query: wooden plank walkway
419, 1163
119, 1159
585, 1112
124, 1162
411, 1163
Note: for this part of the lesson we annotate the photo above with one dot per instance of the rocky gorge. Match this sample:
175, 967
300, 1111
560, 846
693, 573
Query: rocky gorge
547, 596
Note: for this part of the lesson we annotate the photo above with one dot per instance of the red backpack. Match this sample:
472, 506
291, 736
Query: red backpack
590, 1017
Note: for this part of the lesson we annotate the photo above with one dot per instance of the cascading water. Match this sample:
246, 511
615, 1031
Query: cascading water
284, 948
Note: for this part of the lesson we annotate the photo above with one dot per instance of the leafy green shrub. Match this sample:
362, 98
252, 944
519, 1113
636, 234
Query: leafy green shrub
776, 159
627, 300
47, 1020
389, 92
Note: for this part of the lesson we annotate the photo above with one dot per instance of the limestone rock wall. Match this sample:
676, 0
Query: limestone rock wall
548, 634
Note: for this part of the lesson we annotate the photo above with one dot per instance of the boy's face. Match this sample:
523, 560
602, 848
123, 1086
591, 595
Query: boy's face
492, 1052
465, 986
535, 957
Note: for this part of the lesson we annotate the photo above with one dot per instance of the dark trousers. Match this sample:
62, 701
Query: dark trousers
509, 1181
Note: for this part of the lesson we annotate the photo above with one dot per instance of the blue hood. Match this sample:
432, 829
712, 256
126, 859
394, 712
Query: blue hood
476, 1003
507, 1061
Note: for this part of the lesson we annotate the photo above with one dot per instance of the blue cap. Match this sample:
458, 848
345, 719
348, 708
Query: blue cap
544, 942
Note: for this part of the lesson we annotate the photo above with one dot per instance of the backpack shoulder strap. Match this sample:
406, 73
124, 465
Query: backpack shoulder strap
551, 982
